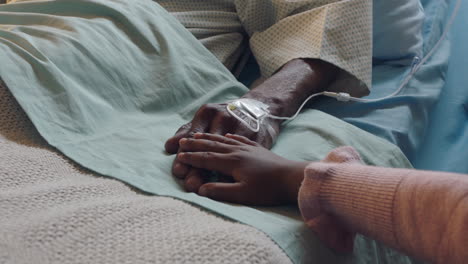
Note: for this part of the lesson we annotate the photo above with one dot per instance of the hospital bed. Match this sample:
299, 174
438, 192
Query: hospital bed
98, 219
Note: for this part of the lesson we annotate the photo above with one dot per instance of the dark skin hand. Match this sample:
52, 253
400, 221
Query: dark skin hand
260, 176
284, 92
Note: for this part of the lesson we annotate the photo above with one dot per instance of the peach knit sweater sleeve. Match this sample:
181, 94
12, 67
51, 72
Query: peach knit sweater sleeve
422, 213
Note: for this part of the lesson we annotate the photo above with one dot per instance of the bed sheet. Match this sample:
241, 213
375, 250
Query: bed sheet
445, 146
427, 119
109, 104
406, 103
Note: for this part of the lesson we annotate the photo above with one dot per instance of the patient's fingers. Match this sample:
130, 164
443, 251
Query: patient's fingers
242, 139
172, 144
201, 122
228, 192
218, 138
179, 169
207, 160
194, 180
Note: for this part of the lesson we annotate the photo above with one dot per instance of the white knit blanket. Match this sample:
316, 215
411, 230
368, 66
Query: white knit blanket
53, 211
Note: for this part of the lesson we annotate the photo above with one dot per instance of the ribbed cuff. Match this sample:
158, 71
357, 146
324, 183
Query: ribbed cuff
308, 197
362, 197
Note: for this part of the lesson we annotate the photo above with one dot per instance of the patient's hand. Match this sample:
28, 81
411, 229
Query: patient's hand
214, 118
283, 92
260, 176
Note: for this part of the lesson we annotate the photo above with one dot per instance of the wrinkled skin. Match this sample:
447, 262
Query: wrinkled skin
212, 118
283, 93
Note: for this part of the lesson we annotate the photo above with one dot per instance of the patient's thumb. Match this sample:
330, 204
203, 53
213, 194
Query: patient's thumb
172, 144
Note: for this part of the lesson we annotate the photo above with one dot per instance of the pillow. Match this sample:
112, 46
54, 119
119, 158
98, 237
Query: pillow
397, 31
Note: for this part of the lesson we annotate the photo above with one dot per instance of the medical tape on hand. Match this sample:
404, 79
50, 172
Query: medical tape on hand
249, 112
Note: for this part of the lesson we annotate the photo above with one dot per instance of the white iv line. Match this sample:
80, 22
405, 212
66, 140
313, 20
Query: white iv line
257, 111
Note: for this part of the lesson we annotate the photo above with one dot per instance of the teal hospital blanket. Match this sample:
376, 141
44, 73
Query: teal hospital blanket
106, 82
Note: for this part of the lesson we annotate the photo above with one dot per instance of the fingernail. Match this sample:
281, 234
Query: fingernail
182, 141
203, 191
228, 134
181, 155
197, 135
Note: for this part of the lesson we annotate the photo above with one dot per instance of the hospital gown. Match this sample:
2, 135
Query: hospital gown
277, 31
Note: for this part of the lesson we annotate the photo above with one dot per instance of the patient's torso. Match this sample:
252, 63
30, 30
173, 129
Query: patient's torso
215, 23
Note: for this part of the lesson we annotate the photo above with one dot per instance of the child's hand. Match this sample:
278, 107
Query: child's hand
261, 177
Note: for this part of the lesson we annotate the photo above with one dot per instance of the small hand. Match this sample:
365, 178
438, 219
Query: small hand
212, 118
261, 177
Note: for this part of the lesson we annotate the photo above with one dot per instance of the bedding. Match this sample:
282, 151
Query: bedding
113, 118
54, 211
397, 31
368, 251
416, 118
447, 129
404, 119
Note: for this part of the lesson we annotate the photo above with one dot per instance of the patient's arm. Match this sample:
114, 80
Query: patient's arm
284, 92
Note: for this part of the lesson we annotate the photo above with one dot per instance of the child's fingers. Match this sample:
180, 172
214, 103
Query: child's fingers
344, 154
215, 137
203, 145
207, 160
242, 139
227, 192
